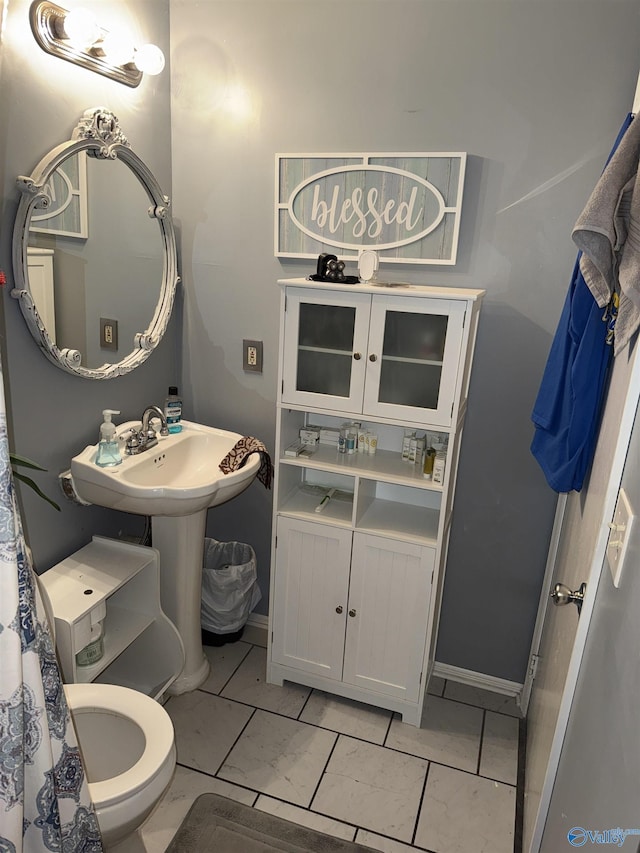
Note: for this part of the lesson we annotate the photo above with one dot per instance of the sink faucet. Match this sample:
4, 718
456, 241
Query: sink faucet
146, 437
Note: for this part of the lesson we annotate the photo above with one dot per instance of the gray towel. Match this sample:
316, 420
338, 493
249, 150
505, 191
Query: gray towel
608, 233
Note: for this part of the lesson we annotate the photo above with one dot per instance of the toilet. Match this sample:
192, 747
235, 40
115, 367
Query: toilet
127, 744
128, 747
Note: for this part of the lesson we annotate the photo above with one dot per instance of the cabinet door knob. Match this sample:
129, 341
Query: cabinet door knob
373, 357
357, 356
339, 609
352, 613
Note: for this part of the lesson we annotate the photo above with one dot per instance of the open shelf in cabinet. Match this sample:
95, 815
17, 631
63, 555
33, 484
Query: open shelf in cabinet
398, 512
384, 465
122, 580
363, 501
123, 627
302, 489
154, 677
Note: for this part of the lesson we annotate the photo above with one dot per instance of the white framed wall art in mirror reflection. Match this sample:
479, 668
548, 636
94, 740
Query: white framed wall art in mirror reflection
66, 189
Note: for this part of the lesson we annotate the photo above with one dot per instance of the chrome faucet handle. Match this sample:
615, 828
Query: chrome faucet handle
147, 434
127, 433
133, 442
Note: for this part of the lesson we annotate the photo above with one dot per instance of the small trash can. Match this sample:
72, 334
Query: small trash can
230, 590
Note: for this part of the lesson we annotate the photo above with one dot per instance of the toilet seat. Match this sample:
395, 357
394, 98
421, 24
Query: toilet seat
142, 711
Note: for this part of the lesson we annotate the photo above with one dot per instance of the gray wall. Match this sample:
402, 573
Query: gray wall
535, 92
53, 415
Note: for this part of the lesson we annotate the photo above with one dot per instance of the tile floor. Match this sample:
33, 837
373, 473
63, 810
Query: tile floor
347, 769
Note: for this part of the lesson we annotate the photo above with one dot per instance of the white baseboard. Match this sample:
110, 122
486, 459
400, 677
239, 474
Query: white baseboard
258, 620
477, 679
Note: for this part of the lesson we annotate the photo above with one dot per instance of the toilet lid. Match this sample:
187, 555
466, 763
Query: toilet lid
142, 710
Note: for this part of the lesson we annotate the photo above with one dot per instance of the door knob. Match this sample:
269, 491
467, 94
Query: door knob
339, 609
373, 357
357, 356
561, 595
352, 613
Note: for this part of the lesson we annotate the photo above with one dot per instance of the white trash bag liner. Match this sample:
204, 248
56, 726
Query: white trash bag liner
230, 588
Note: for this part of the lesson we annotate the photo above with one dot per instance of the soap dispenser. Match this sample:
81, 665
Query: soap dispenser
108, 450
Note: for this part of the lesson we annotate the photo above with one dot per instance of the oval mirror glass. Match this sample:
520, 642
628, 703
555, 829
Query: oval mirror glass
94, 253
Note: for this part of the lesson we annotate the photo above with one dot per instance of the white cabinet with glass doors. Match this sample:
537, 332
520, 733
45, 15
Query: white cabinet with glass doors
356, 586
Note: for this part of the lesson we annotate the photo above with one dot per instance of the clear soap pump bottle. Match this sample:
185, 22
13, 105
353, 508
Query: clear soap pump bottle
108, 450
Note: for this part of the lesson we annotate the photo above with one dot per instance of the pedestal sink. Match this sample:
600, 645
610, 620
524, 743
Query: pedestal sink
175, 482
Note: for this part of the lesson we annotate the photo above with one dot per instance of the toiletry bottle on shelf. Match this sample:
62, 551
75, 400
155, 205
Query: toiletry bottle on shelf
95, 649
438, 466
409, 436
173, 410
429, 458
108, 450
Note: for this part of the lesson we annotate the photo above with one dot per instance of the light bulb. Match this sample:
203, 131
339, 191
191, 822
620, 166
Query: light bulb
149, 59
117, 47
81, 27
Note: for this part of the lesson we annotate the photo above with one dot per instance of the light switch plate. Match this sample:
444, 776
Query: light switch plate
619, 536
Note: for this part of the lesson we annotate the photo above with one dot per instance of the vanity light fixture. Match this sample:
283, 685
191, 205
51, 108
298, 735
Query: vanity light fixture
78, 37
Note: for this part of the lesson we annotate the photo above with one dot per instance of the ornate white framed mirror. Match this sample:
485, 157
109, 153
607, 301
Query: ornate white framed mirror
94, 253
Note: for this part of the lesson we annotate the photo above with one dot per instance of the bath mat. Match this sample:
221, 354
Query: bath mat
216, 824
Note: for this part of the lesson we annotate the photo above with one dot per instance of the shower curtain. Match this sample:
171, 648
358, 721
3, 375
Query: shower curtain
44, 797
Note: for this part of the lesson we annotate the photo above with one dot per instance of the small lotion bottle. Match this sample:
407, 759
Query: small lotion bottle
438, 466
173, 410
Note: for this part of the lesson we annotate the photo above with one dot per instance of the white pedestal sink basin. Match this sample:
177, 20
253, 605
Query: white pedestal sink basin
175, 483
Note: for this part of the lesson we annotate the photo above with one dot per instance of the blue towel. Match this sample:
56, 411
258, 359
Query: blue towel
567, 410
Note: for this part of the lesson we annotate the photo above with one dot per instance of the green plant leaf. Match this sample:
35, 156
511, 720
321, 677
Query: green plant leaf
36, 488
16, 459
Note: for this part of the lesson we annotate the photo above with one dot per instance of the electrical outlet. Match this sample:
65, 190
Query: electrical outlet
108, 334
252, 356
619, 536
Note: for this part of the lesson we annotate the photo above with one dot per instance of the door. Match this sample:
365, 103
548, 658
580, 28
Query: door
413, 358
40, 264
581, 549
596, 788
387, 617
325, 344
310, 596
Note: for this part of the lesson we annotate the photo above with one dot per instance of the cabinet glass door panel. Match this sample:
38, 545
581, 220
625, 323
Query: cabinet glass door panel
327, 327
413, 359
414, 337
409, 384
325, 349
325, 340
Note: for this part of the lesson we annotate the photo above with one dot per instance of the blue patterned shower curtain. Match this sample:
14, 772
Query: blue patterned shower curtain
44, 797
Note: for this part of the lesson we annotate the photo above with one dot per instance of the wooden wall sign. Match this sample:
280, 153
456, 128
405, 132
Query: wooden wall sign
406, 207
